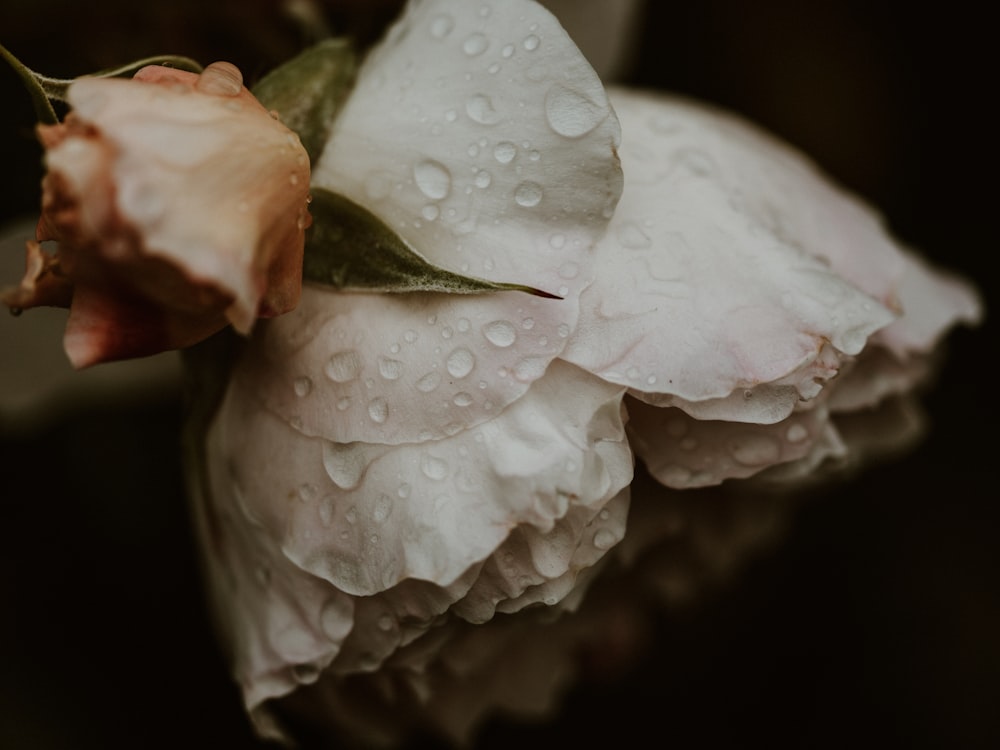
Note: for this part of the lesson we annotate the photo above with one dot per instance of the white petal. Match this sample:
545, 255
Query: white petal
486, 139
726, 267
683, 452
365, 517
402, 368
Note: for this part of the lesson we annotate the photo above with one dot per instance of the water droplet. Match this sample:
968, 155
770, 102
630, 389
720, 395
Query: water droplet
462, 399
494, 68
557, 240
630, 235
483, 179
507, 51
604, 539
404, 490
570, 113
429, 382
302, 386
306, 673
433, 179
293, 179
796, 433
475, 44
569, 270
351, 516
463, 324
390, 369
344, 403
441, 26
433, 467
336, 619
500, 333
378, 410
530, 369
563, 330
460, 362
382, 509
430, 212
327, 506
480, 108
504, 152
410, 336
755, 450
308, 492
343, 366
344, 464
531, 42
528, 194
386, 622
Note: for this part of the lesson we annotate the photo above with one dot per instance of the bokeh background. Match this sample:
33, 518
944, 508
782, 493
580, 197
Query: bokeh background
872, 620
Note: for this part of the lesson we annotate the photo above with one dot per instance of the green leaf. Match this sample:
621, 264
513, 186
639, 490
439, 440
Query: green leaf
307, 91
348, 247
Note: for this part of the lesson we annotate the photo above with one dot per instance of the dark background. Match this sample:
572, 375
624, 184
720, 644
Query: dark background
875, 620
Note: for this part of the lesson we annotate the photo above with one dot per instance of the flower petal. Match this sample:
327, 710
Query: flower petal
486, 139
381, 368
721, 269
367, 516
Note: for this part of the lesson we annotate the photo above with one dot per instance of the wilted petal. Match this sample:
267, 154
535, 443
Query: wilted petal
508, 168
179, 204
722, 269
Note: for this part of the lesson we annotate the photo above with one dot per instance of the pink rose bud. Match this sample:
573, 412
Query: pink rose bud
179, 204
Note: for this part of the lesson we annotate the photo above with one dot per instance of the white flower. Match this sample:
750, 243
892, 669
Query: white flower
385, 469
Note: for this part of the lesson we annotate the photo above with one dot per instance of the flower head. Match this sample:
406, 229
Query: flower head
178, 204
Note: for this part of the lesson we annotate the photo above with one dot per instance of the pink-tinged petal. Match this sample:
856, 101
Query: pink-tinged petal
683, 452
182, 196
382, 368
486, 140
932, 301
719, 275
366, 517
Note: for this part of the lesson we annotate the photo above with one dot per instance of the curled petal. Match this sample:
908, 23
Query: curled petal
719, 275
179, 204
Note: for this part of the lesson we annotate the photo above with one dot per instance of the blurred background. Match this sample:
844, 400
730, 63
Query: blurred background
872, 619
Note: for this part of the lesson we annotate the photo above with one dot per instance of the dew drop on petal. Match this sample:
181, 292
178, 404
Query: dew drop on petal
302, 386
382, 509
570, 113
430, 212
507, 51
433, 179
429, 382
386, 622
480, 108
604, 539
531, 42
336, 619
433, 467
343, 464
460, 362
306, 674
378, 410
755, 450
500, 333
390, 369
343, 366
462, 399
796, 433
483, 179
475, 44
528, 194
441, 26
504, 152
